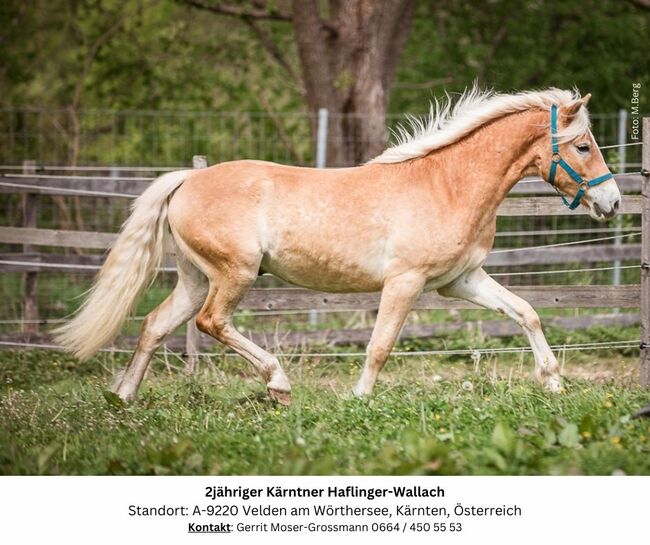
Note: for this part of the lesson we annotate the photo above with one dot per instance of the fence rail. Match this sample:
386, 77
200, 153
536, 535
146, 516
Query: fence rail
23, 262
125, 186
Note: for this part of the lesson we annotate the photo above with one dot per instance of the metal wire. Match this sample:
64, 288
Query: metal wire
69, 265
558, 271
73, 178
79, 192
621, 145
558, 244
564, 231
632, 343
242, 314
69, 177
270, 313
622, 175
91, 168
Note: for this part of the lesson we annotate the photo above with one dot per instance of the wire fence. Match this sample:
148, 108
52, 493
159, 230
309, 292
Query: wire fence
140, 138
132, 141
476, 352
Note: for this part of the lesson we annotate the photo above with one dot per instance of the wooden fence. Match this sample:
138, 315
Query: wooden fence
29, 261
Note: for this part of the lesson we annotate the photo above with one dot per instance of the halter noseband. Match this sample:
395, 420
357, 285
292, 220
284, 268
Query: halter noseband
557, 160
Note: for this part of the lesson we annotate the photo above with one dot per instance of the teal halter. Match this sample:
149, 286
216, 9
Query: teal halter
557, 160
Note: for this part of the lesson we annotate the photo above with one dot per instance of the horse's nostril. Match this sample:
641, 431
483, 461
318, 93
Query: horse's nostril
616, 205
597, 209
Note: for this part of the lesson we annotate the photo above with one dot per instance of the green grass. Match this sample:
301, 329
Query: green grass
426, 416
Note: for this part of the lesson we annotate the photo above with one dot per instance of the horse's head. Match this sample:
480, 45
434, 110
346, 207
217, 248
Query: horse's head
572, 162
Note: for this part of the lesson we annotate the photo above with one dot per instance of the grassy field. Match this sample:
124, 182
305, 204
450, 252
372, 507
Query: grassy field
450, 415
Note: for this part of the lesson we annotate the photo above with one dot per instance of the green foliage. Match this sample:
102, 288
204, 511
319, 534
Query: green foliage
135, 54
170, 70
165, 55
594, 45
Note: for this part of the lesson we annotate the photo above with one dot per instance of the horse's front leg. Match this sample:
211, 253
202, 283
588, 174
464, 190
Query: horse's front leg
397, 297
477, 287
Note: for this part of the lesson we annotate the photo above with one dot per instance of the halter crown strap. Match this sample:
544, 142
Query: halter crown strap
556, 160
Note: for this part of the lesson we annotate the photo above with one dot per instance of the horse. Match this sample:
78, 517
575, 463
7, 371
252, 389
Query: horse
420, 216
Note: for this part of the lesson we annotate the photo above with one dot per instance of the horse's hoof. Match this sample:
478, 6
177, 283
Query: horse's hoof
283, 398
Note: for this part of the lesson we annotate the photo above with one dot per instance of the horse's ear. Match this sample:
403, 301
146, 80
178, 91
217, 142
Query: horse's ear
574, 108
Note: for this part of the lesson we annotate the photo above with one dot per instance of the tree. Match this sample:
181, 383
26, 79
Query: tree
348, 52
522, 44
161, 55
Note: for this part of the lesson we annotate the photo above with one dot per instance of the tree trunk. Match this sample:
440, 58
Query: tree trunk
348, 53
348, 63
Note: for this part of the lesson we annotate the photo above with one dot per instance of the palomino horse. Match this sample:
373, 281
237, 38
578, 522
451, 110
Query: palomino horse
421, 216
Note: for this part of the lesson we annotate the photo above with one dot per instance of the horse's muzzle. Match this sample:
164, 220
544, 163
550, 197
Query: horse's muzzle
609, 213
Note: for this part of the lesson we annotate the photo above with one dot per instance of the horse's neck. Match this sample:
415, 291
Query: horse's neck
485, 165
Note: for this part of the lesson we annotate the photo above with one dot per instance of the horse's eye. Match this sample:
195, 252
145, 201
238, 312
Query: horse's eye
583, 148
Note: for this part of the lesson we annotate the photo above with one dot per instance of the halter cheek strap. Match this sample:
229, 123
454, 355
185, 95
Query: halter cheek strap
556, 160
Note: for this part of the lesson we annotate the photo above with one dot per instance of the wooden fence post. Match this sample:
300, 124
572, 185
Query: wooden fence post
192, 333
645, 256
30, 297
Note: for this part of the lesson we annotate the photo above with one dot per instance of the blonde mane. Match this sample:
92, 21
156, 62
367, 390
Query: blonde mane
449, 121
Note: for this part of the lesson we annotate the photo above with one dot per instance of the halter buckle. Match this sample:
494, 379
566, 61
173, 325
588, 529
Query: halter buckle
584, 186
556, 157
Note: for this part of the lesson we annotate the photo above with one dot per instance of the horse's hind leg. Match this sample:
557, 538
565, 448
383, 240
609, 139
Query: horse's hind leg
183, 303
477, 287
215, 318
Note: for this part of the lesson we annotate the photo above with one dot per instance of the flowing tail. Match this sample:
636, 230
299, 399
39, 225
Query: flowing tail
131, 266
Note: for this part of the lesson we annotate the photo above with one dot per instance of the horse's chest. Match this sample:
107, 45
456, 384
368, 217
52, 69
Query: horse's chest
442, 272
453, 251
